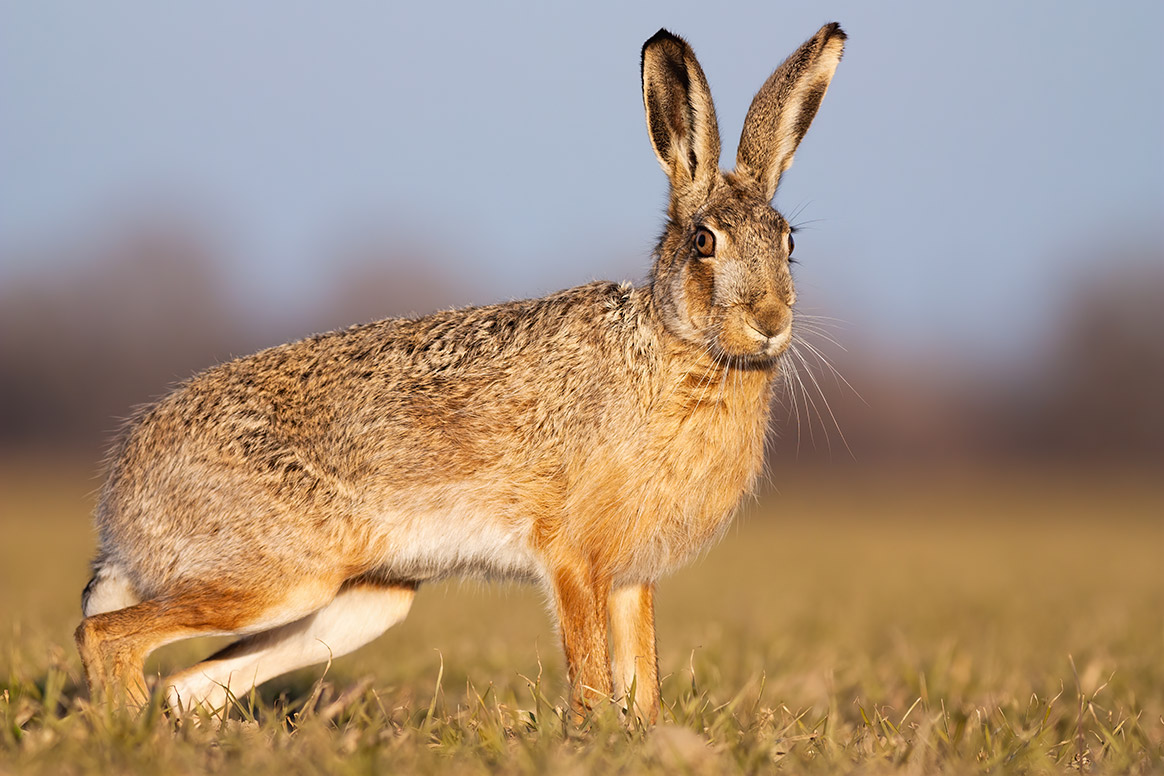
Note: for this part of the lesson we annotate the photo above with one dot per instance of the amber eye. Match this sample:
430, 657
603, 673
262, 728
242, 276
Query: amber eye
704, 242
791, 244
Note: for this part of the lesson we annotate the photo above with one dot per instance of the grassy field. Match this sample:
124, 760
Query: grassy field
886, 623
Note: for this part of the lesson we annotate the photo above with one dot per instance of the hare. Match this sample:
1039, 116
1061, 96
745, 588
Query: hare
590, 442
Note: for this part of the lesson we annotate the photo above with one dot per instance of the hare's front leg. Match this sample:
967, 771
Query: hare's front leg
581, 602
635, 660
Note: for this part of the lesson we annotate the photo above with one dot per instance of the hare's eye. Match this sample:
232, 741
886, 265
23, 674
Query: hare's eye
791, 245
704, 242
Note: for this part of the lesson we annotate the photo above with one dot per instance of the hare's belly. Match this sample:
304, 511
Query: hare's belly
428, 544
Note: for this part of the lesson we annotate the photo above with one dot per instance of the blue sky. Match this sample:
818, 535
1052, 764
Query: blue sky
969, 160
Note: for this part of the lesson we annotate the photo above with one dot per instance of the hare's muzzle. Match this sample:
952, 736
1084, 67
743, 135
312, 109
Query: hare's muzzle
771, 320
761, 330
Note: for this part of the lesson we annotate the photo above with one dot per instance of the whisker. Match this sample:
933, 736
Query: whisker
723, 382
791, 366
827, 404
826, 319
804, 402
707, 348
811, 401
802, 224
796, 213
785, 392
825, 361
811, 329
708, 378
785, 369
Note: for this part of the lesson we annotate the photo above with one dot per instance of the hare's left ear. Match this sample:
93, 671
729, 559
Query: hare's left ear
680, 119
784, 107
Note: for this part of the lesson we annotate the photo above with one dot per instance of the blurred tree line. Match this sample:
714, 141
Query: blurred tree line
80, 347
116, 326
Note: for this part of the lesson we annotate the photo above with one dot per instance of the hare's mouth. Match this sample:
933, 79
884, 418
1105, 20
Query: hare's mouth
740, 339
772, 345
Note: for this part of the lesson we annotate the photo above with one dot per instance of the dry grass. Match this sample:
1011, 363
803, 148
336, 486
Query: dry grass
897, 623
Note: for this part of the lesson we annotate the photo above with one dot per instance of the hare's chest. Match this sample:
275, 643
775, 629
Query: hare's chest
685, 497
708, 487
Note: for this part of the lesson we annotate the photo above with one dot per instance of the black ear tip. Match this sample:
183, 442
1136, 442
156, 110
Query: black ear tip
833, 30
661, 36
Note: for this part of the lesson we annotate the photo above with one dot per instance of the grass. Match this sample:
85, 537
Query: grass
972, 623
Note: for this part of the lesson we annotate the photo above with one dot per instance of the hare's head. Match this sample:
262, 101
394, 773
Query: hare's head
721, 279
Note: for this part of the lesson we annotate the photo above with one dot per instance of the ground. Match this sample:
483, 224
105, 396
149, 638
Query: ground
878, 621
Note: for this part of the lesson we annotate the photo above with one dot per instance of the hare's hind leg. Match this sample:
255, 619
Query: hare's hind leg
107, 591
114, 644
358, 614
634, 658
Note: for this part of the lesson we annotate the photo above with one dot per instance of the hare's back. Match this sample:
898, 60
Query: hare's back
415, 447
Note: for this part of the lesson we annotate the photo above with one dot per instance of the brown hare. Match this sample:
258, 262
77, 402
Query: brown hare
590, 442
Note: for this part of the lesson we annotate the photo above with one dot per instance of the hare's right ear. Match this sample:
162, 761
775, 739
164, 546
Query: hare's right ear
784, 107
680, 119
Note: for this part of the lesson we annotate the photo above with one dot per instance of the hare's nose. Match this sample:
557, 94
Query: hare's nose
773, 318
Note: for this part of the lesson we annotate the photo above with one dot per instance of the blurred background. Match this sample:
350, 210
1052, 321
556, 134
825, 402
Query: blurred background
981, 202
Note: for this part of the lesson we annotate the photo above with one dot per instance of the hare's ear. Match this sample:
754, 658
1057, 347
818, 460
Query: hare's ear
784, 107
680, 118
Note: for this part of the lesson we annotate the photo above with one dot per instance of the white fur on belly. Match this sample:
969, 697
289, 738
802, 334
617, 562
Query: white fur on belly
462, 541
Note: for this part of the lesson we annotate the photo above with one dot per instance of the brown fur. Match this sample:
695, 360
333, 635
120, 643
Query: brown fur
593, 440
